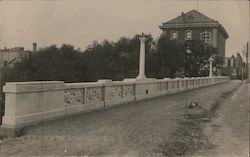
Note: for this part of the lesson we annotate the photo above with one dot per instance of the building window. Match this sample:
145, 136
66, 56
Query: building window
206, 37
174, 35
188, 35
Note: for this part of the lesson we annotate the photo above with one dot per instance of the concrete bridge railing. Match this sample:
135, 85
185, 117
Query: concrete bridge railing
28, 103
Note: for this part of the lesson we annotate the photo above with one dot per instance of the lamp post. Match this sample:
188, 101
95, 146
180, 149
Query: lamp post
143, 38
211, 67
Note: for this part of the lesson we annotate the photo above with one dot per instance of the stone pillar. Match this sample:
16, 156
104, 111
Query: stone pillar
211, 67
28, 103
141, 75
107, 91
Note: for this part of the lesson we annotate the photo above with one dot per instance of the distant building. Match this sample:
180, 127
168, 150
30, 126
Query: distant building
193, 25
10, 56
235, 67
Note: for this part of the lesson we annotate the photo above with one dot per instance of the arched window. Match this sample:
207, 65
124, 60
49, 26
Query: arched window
206, 37
188, 35
174, 35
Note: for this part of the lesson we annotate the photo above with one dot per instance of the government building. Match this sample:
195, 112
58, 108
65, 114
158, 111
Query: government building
193, 25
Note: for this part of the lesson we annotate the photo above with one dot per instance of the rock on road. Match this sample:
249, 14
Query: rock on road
156, 127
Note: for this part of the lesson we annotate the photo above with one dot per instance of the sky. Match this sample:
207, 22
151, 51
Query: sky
80, 22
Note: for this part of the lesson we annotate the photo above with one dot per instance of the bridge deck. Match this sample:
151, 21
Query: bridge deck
132, 129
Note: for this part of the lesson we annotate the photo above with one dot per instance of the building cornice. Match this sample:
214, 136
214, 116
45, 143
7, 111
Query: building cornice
194, 25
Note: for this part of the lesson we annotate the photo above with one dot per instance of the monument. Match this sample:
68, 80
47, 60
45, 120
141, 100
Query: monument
211, 67
142, 76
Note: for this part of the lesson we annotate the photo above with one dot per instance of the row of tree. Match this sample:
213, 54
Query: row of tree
114, 60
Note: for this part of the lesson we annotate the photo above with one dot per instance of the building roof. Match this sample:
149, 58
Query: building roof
15, 49
193, 18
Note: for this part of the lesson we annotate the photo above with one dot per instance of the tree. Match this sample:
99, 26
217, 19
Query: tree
200, 54
50, 63
114, 60
171, 57
185, 58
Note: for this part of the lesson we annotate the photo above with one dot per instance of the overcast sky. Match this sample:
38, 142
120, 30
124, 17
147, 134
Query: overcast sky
80, 22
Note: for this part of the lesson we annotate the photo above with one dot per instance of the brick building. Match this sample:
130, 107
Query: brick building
193, 25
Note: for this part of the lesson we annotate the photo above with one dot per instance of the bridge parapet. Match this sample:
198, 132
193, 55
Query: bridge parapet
29, 103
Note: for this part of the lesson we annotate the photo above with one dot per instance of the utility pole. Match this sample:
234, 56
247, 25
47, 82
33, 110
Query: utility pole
247, 68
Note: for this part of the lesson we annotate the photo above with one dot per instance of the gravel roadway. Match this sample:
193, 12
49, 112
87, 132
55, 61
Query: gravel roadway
157, 127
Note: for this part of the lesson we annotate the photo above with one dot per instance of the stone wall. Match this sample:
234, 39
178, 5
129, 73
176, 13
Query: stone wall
29, 103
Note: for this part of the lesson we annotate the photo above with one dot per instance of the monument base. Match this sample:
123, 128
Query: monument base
9, 131
129, 79
139, 79
145, 79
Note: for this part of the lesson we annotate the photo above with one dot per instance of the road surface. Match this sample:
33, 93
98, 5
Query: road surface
164, 126
229, 131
